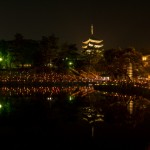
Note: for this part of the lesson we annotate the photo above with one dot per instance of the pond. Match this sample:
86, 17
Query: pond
73, 117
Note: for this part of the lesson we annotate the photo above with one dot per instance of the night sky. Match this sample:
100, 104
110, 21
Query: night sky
119, 23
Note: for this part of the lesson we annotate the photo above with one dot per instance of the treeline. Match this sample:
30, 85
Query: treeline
49, 52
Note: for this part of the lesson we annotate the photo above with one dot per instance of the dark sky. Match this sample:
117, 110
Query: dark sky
118, 23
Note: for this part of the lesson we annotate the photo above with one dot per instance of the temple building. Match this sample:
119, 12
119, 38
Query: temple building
92, 46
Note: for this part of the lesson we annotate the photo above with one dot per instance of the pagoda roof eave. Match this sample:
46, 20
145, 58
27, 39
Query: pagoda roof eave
92, 41
86, 47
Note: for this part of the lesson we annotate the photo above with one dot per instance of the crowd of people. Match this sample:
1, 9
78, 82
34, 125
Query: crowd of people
26, 76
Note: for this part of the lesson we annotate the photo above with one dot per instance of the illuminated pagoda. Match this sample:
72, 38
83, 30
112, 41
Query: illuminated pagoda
92, 46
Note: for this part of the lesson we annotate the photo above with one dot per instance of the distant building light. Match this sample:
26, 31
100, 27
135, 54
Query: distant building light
105, 78
144, 58
70, 63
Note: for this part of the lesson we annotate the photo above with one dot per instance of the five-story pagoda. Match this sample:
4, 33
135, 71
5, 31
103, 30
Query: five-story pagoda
92, 46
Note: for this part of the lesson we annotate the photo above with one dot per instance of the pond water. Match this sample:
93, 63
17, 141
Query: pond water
73, 118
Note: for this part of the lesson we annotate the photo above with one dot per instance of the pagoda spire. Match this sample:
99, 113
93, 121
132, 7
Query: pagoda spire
92, 29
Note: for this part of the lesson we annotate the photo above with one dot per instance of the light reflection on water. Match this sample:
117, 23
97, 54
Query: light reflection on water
78, 115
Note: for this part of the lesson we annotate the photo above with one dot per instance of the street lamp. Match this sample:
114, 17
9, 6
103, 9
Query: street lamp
70, 63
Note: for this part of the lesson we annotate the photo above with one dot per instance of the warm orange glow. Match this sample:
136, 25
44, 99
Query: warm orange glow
84, 46
144, 58
94, 41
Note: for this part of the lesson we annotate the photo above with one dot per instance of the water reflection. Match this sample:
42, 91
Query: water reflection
26, 91
130, 106
79, 113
